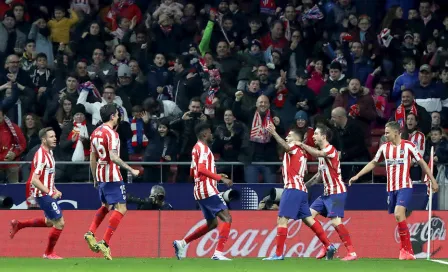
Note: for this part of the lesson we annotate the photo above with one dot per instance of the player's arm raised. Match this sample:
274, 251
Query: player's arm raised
280, 141
116, 159
313, 151
93, 165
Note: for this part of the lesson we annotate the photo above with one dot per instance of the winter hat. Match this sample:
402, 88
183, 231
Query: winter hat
301, 115
124, 71
79, 108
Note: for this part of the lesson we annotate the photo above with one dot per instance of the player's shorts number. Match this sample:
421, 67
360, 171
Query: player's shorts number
54, 206
99, 146
123, 191
222, 199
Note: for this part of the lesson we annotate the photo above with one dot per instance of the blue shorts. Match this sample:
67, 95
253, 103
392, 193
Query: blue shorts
50, 207
402, 197
112, 192
294, 204
330, 206
211, 206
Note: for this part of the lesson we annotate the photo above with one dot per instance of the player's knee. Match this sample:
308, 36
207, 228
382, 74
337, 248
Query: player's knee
228, 219
60, 223
282, 221
121, 208
49, 223
336, 222
212, 224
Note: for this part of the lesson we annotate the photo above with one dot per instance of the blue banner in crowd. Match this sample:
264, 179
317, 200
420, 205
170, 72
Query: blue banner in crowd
84, 196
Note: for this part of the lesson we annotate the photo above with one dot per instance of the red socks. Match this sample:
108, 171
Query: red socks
32, 223
282, 232
224, 231
405, 236
202, 230
345, 238
114, 221
99, 217
320, 233
52, 240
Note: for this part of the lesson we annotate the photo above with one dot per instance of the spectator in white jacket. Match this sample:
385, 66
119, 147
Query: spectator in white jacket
107, 98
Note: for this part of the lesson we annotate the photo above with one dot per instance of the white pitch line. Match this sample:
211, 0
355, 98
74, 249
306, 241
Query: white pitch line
438, 261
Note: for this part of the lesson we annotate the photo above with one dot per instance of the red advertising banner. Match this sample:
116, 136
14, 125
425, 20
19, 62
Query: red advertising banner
151, 233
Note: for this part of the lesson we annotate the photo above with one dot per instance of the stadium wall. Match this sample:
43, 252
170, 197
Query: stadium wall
151, 233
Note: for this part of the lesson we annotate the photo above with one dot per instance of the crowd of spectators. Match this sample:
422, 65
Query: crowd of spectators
237, 64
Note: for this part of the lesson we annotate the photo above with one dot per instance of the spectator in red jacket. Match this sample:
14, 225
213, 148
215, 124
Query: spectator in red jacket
317, 78
275, 38
12, 145
121, 8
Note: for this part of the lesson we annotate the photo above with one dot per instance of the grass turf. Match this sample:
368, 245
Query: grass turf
199, 265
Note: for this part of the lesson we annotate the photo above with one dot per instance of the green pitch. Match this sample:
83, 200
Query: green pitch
199, 265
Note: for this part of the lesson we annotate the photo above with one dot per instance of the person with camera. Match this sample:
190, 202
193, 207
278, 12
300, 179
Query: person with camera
155, 201
185, 127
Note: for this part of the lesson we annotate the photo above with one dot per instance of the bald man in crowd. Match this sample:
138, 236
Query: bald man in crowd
258, 146
353, 148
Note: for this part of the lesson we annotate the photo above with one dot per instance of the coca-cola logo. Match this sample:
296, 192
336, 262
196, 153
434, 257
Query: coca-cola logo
419, 231
260, 242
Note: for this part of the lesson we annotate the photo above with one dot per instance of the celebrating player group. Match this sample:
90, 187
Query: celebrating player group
105, 164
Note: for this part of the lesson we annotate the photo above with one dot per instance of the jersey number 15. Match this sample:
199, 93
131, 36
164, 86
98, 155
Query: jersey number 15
99, 146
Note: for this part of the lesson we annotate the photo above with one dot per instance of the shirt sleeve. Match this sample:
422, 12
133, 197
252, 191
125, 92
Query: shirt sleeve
413, 152
39, 163
114, 141
293, 149
379, 154
330, 152
203, 156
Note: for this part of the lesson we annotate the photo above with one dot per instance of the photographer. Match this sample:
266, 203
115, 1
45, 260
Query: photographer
187, 138
155, 201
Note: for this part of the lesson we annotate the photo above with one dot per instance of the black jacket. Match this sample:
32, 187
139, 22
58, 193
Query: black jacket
352, 143
159, 146
256, 151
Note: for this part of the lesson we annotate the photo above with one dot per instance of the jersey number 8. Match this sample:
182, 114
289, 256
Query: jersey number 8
100, 148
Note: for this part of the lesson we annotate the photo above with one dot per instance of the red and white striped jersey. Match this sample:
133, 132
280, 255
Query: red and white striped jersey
294, 167
204, 187
103, 140
330, 171
418, 139
43, 165
398, 162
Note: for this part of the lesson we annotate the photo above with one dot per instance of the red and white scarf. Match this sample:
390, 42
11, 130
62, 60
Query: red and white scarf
400, 114
258, 132
209, 107
134, 141
79, 129
13, 132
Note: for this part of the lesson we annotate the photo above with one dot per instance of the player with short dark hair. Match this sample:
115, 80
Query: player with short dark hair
105, 164
43, 190
206, 193
331, 203
294, 200
398, 155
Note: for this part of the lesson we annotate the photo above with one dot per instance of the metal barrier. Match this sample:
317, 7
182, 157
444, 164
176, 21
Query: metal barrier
177, 163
